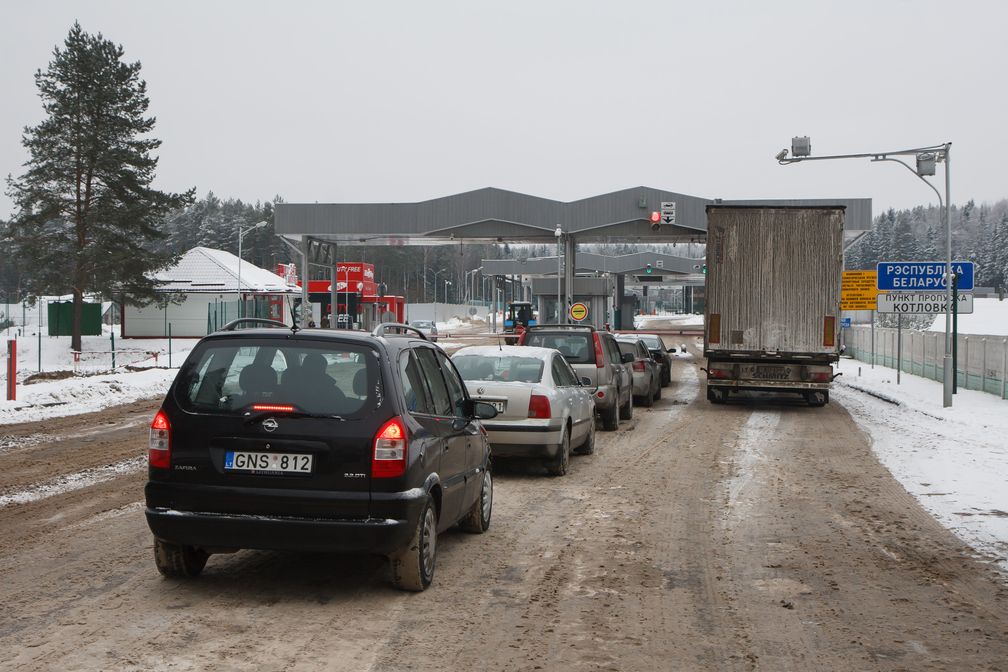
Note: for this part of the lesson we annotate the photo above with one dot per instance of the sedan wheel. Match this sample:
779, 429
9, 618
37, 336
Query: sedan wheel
588, 447
562, 461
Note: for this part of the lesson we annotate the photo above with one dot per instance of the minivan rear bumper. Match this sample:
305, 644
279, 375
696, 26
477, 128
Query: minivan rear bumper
227, 530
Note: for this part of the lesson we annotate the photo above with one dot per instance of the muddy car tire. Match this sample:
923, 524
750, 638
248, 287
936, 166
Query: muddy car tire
588, 447
477, 519
413, 564
560, 465
179, 562
626, 413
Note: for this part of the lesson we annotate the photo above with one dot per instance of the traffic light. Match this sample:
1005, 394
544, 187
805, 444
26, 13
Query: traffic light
705, 269
648, 269
655, 221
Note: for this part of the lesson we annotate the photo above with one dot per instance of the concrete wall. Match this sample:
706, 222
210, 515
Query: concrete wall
982, 361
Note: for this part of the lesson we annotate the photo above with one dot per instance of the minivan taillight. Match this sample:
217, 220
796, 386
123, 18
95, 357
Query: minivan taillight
599, 357
638, 365
539, 407
159, 450
389, 457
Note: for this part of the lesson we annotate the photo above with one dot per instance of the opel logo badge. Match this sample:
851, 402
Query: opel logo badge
270, 425
480, 390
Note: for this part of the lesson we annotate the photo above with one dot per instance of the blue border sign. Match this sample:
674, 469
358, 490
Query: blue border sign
922, 276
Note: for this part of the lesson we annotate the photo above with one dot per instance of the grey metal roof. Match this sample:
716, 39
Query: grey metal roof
634, 264
491, 214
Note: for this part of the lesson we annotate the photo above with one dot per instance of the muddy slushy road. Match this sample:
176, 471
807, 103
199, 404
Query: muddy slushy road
761, 535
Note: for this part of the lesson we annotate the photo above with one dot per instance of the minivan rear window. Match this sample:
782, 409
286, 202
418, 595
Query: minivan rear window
327, 378
577, 348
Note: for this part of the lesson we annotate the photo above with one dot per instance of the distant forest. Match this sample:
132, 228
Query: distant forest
980, 234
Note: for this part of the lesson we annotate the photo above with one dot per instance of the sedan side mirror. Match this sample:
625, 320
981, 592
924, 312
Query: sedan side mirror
627, 357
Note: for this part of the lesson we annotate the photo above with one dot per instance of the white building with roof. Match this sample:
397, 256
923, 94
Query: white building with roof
201, 294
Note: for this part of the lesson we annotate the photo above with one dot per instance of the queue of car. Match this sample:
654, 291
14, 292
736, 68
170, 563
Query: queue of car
279, 438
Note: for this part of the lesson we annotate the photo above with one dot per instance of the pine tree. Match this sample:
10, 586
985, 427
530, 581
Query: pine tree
87, 215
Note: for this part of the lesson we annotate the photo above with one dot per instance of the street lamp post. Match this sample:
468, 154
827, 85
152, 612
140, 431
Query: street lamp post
435, 292
559, 238
801, 150
241, 234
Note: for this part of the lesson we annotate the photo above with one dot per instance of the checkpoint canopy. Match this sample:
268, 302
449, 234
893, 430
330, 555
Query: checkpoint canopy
497, 215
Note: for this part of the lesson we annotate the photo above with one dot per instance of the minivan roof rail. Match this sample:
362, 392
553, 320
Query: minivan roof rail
397, 329
231, 326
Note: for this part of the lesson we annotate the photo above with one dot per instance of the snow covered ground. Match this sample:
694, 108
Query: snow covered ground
666, 319
953, 460
989, 317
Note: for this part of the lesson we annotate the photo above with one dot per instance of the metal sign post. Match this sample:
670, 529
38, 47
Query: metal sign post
11, 370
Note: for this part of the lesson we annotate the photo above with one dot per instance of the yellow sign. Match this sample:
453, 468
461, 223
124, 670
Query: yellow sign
859, 290
578, 311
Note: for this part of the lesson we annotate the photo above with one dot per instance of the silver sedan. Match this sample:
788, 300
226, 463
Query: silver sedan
646, 372
543, 407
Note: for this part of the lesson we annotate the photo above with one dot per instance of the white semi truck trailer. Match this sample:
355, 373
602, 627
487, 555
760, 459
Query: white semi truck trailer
773, 299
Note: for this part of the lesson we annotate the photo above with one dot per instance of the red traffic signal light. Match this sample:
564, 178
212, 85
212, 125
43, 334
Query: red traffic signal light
655, 221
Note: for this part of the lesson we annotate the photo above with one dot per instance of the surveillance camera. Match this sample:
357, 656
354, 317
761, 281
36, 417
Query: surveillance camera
782, 155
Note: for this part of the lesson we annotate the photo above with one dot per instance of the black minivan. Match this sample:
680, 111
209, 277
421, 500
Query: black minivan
285, 439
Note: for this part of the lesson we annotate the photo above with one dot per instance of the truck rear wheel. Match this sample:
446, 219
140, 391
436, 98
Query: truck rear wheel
817, 398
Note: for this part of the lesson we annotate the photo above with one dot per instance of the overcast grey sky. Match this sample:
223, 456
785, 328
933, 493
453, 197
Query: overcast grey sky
404, 101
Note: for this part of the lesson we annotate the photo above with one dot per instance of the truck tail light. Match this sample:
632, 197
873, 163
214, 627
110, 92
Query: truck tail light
599, 357
539, 407
159, 449
638, 365
822, 376
389, 457
829, 331
714, 329
720, 374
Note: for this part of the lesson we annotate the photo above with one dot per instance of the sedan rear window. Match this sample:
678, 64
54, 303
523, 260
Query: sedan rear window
626, 347
577, 348
319, 378
503, 369
651, 341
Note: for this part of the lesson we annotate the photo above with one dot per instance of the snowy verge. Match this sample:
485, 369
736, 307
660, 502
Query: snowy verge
953, 460
84, 394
